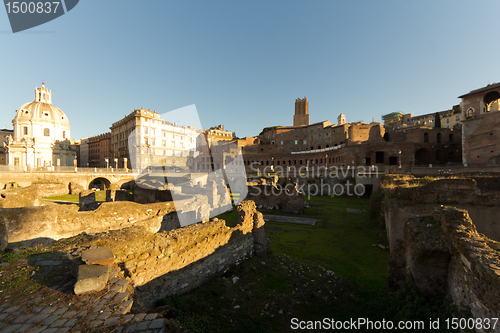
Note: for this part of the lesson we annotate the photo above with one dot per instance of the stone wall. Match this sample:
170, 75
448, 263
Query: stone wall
31, 195
33, 225
174, 262
284, 198
445, 253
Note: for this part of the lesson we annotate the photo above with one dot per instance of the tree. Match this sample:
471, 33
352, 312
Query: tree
437, 120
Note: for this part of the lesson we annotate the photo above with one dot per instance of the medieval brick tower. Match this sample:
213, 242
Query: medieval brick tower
301, 117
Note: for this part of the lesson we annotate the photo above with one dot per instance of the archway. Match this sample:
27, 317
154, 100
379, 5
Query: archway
100, 183
489, 99
422, 156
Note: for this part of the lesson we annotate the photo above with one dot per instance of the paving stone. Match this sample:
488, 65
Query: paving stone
63, 330
37, 329
49, 309
38, 308
125, 307
114, 279
59, 323
143, 325
99, 256
122, 297
91, 278
49, 320
71, 323
38, 318
60, 311
139, 317
24, 328
11, 309
151, 316
81, 314
157, 324
99, 307
104, 315
96, 323
50, 330
131, 328
109, 295
68, 314
22, 319
10, 328
125, 319
111, 321
3, 315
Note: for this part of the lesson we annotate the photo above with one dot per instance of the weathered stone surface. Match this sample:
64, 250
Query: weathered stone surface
87, 200
287, 199
74, 188
91, 278
98, 256
37, 225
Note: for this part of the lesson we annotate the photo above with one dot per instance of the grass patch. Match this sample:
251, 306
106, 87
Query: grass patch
100, 196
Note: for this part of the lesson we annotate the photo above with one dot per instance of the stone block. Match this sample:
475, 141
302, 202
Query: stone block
98, 256
91, 278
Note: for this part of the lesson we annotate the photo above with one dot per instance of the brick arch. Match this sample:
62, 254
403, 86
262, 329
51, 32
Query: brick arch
100, 181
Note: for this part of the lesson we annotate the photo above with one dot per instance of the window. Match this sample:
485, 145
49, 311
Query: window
281, 142
64, 134
457, 118
379, 157
447, 120
46, 132
426, 137
291, 142
296, 141
25, 130
305, 142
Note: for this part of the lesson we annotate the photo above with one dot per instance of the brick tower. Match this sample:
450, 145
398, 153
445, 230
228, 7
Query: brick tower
301, 117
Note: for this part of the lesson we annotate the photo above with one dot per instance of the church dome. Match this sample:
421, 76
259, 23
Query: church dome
41, 109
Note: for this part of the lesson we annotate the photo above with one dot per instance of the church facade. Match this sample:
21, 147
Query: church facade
41, 135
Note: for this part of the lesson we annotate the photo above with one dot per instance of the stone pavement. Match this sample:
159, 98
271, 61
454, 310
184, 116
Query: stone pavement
57, 309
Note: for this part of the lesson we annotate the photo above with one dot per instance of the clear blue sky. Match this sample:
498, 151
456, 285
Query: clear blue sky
243, 63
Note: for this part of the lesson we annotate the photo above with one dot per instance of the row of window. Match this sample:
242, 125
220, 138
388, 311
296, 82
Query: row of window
46, 132
296, 162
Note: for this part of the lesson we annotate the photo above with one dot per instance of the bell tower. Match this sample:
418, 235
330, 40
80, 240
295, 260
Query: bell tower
43, 95
301, 117
341, 119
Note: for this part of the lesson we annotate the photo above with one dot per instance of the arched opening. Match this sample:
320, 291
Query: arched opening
490, 101
438, 138
387, 137
100, 183
450, 137
426, 137
422, 156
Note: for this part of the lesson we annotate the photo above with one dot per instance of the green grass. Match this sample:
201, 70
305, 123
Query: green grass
99, 196
340, 241
330, 270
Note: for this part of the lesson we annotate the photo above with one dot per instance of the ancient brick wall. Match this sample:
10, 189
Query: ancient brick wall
32, 225
31, 195
174, 262
447, 254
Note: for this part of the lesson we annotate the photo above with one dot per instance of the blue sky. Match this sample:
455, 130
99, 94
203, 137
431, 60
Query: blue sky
243, 63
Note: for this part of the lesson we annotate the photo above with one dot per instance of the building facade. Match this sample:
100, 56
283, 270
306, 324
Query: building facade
41, 134
99, 151
481, 126
143, 139
351, 144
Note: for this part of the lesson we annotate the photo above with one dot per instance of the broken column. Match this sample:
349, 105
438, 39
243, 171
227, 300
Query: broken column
94, 273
